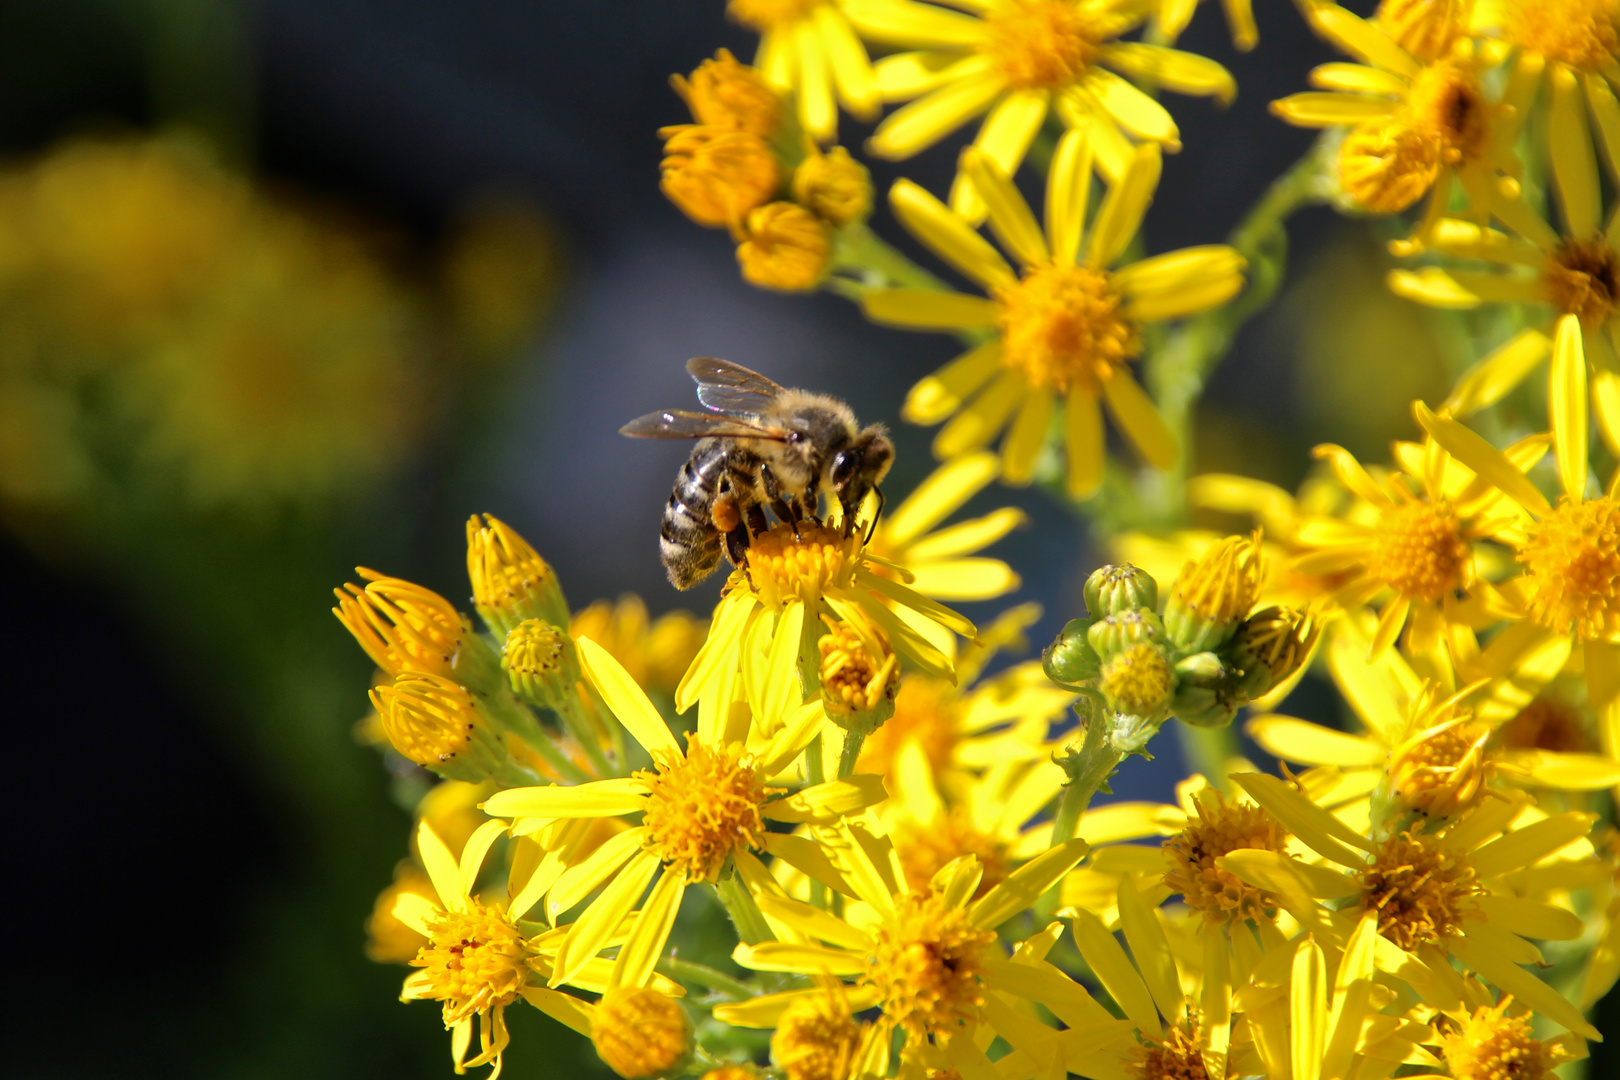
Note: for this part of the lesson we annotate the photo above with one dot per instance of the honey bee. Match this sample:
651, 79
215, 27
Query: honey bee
760, 446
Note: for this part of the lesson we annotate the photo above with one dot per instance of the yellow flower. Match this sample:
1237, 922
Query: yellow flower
1018, 59
1420, 116
401, 625
943, 563
816, 1038
703, 812
1430, 897
1570, 553
640, 1032
833, 186
926, 958
476, 959
1068, 326
1491, 1045
389, 941
1410, 538
785, 247
808, 47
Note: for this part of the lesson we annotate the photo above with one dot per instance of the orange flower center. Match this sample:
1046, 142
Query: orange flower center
1448, 101
1574, 561
1063, 326
1220, 829
1419, 551
475, 960
1580, 33
926, 969
1582, 278
1041, 43
704, 805
1418, 888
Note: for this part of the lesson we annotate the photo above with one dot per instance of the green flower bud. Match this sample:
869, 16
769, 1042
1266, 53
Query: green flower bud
1140, 681
1070, 661
1213, 593
1115, 633
536, 660
1114, 589
1270, 646
1201, 669
1203, 706
510, 581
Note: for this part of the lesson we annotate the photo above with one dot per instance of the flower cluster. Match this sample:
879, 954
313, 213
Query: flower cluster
898, 826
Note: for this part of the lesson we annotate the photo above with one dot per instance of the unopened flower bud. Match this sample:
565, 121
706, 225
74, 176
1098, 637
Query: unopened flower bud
1070, 661
787, 248
860, 674
1113, 589
435, 722
640, 1033
1115, 633
510, 581
1139, 680
535, 659
817, 1039
1270, 646
715, 176
1386, 165
1213, 593
401, 625
833, 186
724, 93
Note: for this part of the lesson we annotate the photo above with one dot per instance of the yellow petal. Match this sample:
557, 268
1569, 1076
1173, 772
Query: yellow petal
1284, 874
818, 113
584, 878
1570, 144
1121, 212
1151, 949
1605, 117
601, 920
928, 309
566, 1009
827, 801
1113, 969
645, 943
851, 71
1190, 299
1480, 456
921, 124
1183, 72
416, 912
1566, 404
810, 959
472, 855
903, 76
1432, 286
719, 648
1139, 418
1312, 744
1569, 772
1174, 270
803, 725
1352, 985
1023, 886
913, 26
1313, 825
1521, 847
813, 922
1531, 918
1361, 39
1068, 188
1525, 987
1010, 217
1357, 79
1307, 1011
983, 418
1083, 434
1132, 109
1004, 138
628, 701
599, 798
441, 868
966, 579
948, 236
942, 393
1314, 109
1027, 437
1496, 374
967, 537
940, 495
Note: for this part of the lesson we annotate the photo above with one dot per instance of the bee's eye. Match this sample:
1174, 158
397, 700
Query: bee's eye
794, 437
844, 465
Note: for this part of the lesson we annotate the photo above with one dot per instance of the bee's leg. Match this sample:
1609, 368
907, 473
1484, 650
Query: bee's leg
871, 529
780, 506
737, 551
755, 519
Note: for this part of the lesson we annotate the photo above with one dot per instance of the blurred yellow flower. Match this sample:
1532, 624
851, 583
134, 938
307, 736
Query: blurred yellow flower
808, 47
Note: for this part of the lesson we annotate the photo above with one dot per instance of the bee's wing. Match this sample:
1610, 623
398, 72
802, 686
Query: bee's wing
680, 424
731, 388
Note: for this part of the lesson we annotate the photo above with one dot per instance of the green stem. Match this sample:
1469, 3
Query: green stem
688, 971
815, 772
1089, 769
745, 915
1177, 372
868, 262
517, 719
585, 733
853, 741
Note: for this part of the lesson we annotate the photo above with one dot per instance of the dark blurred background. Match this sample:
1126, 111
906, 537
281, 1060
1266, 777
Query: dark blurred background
458, 202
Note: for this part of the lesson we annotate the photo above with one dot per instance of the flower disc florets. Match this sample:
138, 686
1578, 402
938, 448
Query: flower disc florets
925, 850
1580, 33
1174, 1057
1443, 774
1221, 828
1138, 680
1419, 551
786, 248
1214, 593
926, 968
784, 567
1573, 558
1491, 1045
510, 581
1040, 44
724, 93
640, 1032
1386, 165
1064, 326
1419, 889
1447, 101
401, 625
475, 960
1582, 278
703, 805
717, 176
816, 1039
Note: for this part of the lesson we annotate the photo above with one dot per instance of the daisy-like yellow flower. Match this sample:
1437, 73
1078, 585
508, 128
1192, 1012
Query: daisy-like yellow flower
656, 652
476, 959
1416, 121
1409, 540
703, 813
928, 959
944, 563
808, 47
1433, 896
1018, 60
1570, 553
1066, 326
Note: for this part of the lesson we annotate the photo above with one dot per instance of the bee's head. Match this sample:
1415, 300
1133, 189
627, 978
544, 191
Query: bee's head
860, 467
